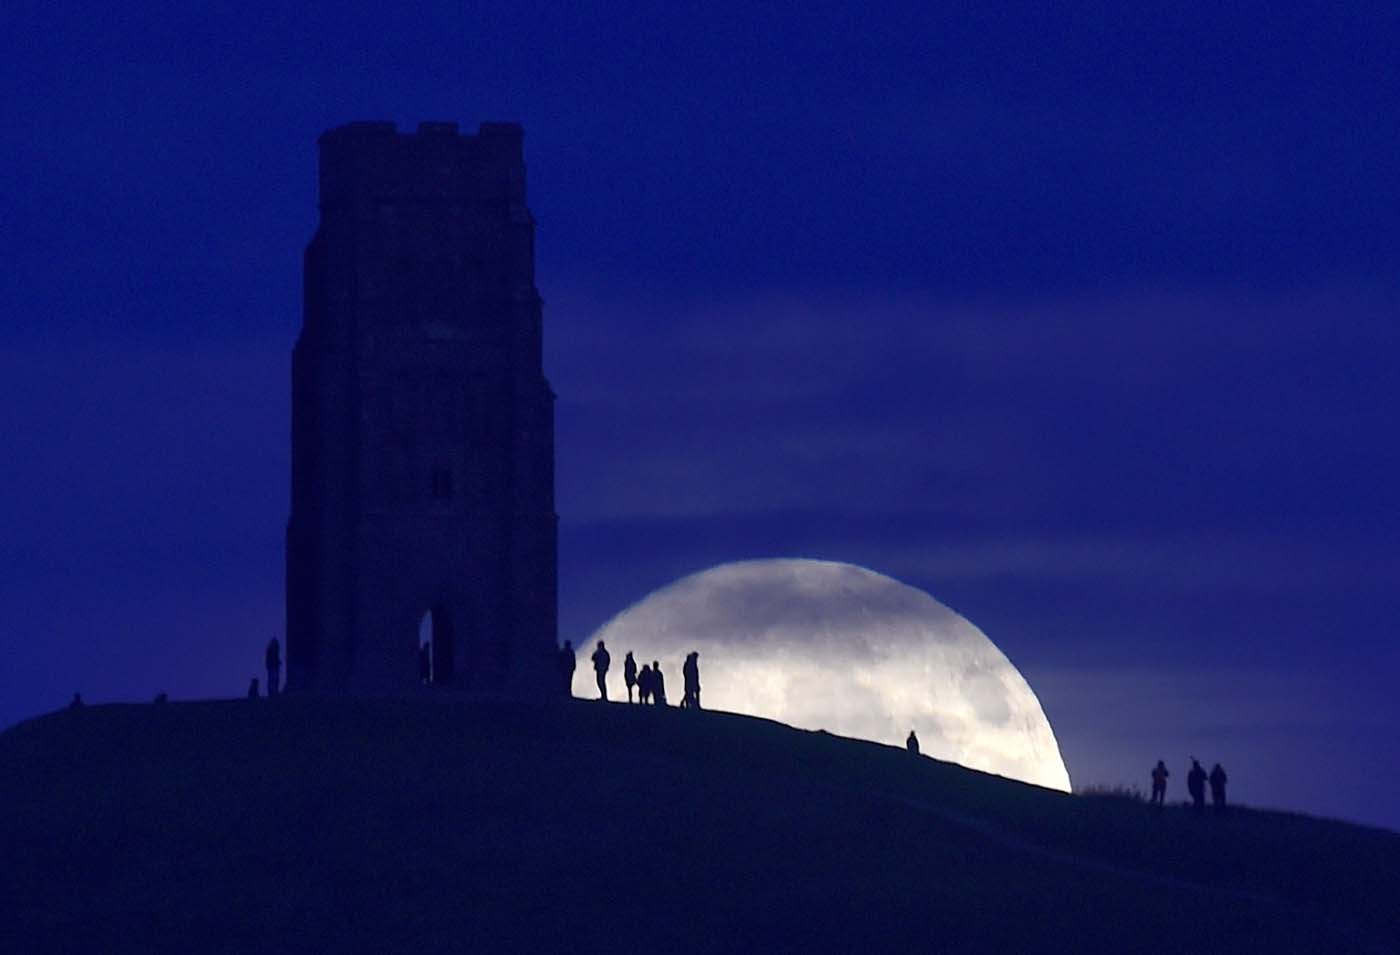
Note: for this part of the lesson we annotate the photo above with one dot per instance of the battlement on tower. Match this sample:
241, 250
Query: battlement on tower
372, 161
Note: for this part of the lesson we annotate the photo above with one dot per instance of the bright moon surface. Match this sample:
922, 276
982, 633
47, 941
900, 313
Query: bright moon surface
824, 645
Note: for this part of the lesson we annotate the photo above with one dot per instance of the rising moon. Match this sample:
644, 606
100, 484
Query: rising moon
823, 645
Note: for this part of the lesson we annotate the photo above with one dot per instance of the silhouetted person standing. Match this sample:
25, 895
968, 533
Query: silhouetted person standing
425, 662
1196, 786
1159, 783
253, 689
658, 685
629, 674
76, 703
272, 657
644, 685
912, 743
1217, 787
690, 673
601, 661
568, 662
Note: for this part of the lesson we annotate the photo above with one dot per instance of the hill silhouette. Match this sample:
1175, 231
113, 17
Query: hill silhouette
313, 825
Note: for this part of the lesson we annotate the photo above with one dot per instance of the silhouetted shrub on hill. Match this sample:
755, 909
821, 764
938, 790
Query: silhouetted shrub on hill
1110, 791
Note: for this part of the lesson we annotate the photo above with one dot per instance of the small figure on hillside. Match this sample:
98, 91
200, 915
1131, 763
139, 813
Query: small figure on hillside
1159, 783
253, 689
161, 698
425, 662
644, 683
76, 703
690, 673
1217, 787
601, 661
629, 674
1196, 786
912, 743
658, 685
567, 663
272, 656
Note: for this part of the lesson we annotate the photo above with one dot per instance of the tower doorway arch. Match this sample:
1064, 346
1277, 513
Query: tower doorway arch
436, 663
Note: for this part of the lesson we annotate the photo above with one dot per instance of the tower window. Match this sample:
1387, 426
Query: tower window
442, 483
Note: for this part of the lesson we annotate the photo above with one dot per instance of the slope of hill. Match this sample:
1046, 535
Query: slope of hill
304, 825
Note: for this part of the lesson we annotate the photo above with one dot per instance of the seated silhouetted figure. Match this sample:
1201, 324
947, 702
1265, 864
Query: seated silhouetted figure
690, 673
1159, 783
425, 662
601, 661
568, 662
658, 685
272, 657
76, 703
1196, 786
161, 698
1217, 787
253, 689
912, 743
629, 674
644, 685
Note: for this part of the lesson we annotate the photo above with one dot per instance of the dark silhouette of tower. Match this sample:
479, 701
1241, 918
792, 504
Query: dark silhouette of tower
422, 423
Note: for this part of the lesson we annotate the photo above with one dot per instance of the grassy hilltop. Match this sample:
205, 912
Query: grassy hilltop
304, 825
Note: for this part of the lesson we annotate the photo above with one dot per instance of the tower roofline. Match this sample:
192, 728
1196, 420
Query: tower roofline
373, 159
376, 128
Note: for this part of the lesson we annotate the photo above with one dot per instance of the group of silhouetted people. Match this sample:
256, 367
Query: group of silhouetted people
690, 675
272, 659
651, 684
1196, 781
648, 683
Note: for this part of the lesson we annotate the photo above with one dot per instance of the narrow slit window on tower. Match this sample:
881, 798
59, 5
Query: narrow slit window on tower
442, 483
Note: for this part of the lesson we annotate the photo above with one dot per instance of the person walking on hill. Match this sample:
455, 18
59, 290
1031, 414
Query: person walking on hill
690, 673
644, 685
1196, 786
629, 674
658, 684
568, 662
272, 657
601, 661
253, 689
912, 743
1217, 788
1159, 783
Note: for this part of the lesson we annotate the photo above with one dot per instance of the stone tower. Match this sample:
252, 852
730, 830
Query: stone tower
422, 423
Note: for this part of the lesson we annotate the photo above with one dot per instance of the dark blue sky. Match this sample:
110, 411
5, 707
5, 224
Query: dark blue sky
1086, 324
